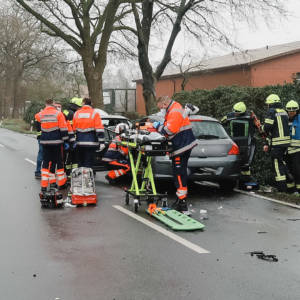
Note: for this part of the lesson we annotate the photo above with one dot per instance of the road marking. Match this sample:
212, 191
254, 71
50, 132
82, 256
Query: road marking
267, 198
30, 161
1, 145
163, 231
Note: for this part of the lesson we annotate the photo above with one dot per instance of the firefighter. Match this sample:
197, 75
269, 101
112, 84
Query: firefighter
293, 156
276, 127
87, 126
178, 130
242, 124
54, 134
117, 156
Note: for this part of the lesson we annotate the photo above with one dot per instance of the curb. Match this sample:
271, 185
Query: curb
267, 198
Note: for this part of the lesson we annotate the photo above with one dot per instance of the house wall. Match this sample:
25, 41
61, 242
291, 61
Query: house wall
276, 71
204, 81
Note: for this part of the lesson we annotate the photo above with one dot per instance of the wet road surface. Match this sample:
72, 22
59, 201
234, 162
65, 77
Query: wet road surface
101, 253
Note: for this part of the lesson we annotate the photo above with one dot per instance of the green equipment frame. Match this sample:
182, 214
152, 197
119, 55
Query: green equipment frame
142, 187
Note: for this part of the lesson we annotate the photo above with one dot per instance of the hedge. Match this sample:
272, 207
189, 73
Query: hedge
218, 102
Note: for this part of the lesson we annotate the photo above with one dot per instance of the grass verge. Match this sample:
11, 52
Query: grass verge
16, 125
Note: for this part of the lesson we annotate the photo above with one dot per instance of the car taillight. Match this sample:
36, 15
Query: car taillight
234, 150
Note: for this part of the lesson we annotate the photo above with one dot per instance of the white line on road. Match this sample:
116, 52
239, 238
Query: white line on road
30, 161
163, 231
267, 198
1, 145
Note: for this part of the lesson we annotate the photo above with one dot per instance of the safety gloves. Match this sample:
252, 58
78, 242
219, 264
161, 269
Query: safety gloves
156, 124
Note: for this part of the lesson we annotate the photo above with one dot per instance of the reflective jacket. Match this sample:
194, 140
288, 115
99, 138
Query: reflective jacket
115, 151
276, 126
53, 126
241, 125
177, 128
295, 135
87, 126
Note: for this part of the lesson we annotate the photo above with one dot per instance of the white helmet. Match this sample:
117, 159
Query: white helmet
120, 128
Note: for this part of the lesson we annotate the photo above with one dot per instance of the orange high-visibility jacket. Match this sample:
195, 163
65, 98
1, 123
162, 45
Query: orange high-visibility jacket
88, 127
53, 126
177, 128
115, 151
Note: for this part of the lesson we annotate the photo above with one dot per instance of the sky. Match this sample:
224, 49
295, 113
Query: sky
280, 30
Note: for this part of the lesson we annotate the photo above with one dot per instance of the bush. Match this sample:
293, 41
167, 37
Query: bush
32, 109
218, 102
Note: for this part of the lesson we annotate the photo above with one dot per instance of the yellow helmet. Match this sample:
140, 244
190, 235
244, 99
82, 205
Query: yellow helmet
239, 107
292, 106
273, 98
77, 101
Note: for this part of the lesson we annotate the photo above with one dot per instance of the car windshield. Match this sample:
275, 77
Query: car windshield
208, 130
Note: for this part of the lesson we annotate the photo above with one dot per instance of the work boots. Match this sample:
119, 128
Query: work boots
181, 206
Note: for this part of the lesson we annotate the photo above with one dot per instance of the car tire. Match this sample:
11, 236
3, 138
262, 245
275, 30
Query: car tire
227, 185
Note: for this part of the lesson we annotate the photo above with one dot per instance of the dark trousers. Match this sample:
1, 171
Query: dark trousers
293, 162
39, 159
53, 154
179, 166
86, 156
279, 167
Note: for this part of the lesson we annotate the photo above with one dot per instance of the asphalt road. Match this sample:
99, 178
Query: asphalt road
102, 253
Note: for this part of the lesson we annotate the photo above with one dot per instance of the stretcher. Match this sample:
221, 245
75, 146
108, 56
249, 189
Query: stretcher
174, 219
142, 146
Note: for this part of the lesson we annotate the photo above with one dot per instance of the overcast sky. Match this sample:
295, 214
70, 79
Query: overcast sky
279, 31
282, 31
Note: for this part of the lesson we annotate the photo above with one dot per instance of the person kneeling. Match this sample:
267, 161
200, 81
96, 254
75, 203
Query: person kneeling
117, 156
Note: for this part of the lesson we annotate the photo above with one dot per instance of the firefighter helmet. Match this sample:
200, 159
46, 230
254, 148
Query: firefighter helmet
76, 101
120, 128
292, 106
239, 107
273, 98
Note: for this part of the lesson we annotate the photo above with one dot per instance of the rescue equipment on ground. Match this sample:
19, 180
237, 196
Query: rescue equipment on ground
83, 186
174, 219
50, 197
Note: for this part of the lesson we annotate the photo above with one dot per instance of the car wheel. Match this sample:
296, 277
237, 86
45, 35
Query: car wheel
227, 185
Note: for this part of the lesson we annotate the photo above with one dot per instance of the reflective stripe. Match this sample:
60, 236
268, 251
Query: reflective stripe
281, 143
50, 129
51, 142
59, 178
106, 159
281, 138
169, 132
280, 178
297, 186
293, 150
246, 172
185, 127
85, 129
183, 149
84, 115
100, 130
290, 185
280, 127
88, 143
269, 121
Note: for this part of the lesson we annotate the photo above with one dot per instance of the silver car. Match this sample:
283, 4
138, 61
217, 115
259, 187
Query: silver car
215, 158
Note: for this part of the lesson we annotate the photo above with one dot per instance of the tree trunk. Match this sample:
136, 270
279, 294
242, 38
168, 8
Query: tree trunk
149, 94
94, 81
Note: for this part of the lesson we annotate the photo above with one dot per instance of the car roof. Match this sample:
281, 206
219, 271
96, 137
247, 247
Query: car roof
202, 118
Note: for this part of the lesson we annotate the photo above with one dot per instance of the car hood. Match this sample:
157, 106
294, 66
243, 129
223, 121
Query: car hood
212, 148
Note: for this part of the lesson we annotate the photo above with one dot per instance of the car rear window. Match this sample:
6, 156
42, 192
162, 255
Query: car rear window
208, 130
